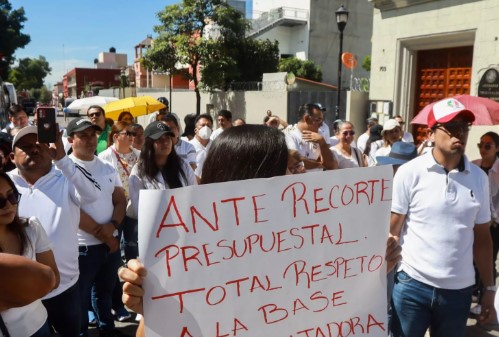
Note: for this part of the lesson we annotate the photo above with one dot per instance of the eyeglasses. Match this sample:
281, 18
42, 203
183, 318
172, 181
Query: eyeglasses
94, 114
348, 133
453, 128
13, 198
486, 146
128, 133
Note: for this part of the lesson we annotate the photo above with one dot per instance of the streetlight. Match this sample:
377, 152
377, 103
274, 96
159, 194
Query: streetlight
341, 21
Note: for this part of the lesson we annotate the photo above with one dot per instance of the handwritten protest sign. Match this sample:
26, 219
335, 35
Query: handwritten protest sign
293, 256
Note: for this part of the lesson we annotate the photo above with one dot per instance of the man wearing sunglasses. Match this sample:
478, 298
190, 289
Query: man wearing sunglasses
96, 115
305, 138
441, 213
54, 195
99, 258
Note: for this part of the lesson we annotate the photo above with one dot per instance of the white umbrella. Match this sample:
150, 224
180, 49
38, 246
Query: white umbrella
83, 104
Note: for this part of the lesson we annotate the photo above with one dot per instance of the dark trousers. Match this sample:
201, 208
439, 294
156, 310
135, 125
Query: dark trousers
98, 268
64, 312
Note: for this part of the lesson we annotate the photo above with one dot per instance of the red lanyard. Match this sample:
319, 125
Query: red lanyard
122, 162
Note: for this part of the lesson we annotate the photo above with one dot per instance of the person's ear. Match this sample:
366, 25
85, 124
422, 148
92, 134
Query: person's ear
430, 134
70, 140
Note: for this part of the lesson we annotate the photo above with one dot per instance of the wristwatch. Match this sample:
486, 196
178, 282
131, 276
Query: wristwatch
491, 288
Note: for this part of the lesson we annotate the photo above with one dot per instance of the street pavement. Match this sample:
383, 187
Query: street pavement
129, 327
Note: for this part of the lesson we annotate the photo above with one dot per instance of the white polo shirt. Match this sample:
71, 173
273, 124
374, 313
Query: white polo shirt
55, 200
308, 150
494, 188
101, 210
441, 212
201, 153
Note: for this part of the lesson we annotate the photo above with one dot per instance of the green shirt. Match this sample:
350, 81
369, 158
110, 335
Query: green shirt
102, 140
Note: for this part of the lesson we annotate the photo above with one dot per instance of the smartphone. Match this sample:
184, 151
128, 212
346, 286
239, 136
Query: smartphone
46, 124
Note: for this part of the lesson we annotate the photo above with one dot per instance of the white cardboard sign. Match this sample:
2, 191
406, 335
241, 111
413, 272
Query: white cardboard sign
292, 256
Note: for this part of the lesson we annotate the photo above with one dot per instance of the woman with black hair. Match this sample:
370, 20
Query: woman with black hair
159, 167
253, 151
24, 237
489, 163
372, 144
246, 152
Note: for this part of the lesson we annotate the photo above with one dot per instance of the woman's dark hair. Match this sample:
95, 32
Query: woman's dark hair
6, 149
116, 128
374, 135
123, 114
246, 152
495, 139
18, 225
172, 171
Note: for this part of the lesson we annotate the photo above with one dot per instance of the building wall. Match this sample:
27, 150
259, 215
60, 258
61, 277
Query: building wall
292, 40
84, 76
325, 39
398, 34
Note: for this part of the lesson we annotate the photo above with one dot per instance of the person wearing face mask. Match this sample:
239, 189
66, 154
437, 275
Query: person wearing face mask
201, 141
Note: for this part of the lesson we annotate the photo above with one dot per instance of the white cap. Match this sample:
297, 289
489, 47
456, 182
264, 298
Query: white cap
23, 132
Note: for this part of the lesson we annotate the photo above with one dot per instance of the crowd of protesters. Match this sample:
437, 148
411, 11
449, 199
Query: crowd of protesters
72, 207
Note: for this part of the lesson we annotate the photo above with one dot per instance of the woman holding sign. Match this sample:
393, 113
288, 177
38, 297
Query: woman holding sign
253, 151
159, 167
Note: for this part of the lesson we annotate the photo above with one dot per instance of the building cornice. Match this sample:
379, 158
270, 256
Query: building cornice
385, 5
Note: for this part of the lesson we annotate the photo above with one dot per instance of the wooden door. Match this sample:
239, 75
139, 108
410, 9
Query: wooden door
441, 73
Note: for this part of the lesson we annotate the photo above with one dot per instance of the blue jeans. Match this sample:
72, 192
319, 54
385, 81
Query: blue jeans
64, 312
418, 306
130, 238
98, 269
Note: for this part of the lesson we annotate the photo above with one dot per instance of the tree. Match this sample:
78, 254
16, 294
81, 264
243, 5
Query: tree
12, 22
366, 63
42, 94
29, 74
251, 58
182, 30
305, 69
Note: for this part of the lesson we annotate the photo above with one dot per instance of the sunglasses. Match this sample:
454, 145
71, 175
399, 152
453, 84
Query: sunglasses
486, 146
454, 127
348, 133
128, 133
13, 198
94, 114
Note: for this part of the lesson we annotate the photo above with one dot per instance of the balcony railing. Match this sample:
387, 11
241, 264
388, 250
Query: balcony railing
285, 16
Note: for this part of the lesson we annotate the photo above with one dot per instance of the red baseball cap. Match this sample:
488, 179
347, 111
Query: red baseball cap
446, 110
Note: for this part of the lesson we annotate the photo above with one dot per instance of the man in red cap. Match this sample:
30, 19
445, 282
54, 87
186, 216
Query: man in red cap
440, 212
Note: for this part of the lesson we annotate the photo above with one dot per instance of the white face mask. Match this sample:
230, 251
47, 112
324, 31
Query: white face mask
204, 132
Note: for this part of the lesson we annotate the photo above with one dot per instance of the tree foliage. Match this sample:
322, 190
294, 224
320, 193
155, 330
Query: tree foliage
11, 38
366, 63
183, 28
42, 94
305, 69
29, 73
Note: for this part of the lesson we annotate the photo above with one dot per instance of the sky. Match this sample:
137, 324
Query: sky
71, 34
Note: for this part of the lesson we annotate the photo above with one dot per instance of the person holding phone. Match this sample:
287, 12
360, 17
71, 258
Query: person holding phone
54, 193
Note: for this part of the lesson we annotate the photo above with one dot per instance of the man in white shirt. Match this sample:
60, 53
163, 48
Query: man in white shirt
304, 137
201, 141
441, 213
224, 120
54, 196
99, 258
